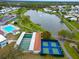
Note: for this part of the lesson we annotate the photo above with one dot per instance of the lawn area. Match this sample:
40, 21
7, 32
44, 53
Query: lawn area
70, 27
67, 24
29, 26
72, 52
38, 56
40, 9
74, 23
6, 50
1, 16
25, 23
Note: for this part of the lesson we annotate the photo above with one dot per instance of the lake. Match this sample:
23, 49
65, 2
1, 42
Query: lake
51, 23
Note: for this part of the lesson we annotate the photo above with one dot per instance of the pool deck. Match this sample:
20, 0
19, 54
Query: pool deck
6, 32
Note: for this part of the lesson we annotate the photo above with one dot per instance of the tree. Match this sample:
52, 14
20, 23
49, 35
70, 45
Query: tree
46, 35
0, 7
25, 19
65, 34
19, 11
77, 19
78, 46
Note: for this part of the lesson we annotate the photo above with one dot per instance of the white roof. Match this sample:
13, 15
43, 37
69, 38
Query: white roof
31, 47
20, 38
2, 38
46, 9
73, 18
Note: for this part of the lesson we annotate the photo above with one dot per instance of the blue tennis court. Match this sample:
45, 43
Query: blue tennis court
51, 47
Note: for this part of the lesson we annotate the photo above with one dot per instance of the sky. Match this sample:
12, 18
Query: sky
41, 0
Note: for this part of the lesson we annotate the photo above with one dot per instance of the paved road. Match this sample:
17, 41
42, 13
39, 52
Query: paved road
64, 49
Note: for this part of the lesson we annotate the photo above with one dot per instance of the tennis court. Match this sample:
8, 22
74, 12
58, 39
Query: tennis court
24, 46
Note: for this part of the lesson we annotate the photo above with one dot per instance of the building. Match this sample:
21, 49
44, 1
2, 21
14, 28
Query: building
47, 10
29, 42
35, 44
3, 41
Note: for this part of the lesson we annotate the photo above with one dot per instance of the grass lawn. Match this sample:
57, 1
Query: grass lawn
72, 52
27, 25
38, 56
70, 27
6, 50
1, 16
74, 23
41, 9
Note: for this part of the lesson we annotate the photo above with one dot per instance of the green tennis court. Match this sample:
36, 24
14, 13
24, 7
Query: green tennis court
24, 46
28, 36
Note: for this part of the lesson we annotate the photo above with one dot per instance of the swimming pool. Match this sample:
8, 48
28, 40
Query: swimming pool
25, 43
9, 28
51, 47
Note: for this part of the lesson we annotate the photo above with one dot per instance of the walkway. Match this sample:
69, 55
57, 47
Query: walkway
10, 41
20, 23
64, 49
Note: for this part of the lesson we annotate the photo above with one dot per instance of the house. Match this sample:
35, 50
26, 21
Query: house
67, 16
73, 18
3, 41
1, 32
47, 10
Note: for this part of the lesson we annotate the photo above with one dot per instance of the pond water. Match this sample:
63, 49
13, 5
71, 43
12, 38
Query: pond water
49, 22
